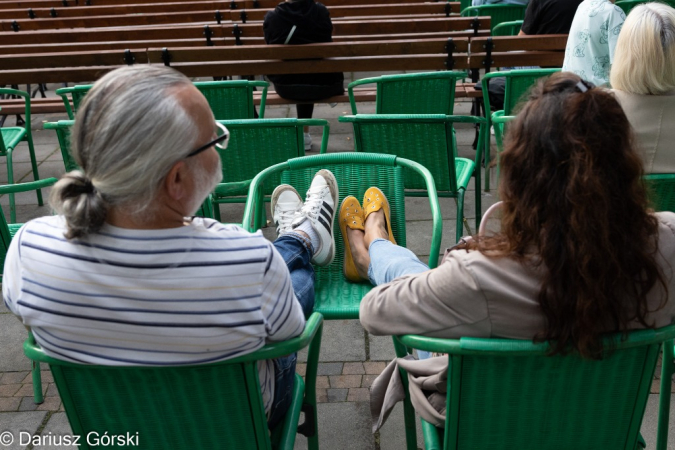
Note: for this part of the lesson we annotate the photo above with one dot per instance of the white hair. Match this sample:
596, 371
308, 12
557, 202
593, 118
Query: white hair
644, 58
128, 133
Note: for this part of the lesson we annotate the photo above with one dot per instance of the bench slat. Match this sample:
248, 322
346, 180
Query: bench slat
512, 43
510, 59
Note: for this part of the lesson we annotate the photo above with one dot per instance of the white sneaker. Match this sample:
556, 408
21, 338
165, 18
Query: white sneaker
308, 141
286, 205
319, 209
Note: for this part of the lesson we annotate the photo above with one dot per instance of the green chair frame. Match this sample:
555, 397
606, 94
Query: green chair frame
63, 129
256, 144
498, 13
7, 232
518, 84
230, 99
429, 140
335, 297
10, 137
216, 405
511, 28
413, 93
507, 394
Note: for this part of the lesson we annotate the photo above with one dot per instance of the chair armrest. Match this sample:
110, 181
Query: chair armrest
30, 186
352, 85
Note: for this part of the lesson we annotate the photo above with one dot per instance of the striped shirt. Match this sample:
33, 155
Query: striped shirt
196, 294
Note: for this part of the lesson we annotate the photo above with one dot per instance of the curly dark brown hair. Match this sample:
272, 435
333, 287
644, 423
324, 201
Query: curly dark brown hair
573, 195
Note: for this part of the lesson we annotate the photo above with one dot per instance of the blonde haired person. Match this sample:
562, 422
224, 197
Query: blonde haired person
643, 78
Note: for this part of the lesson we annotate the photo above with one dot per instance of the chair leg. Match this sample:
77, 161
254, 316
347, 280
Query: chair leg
10, 180
667, 370
499, 130
33, 163
37, 383
460, 215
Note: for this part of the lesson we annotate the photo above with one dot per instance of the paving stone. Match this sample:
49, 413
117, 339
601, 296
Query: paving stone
374, 367
329, 369
17, 422
27, 390
9, 404
358, 395
13, 377
392, 433
57, 427
650, 422
301, 369
381, 348
337, 395
27, 404
12, 335
321, 396
345, 381
367, 380
46, 376
50, 404
52, 391
322, 383
343, 426
343, 340
8, 390
353, 369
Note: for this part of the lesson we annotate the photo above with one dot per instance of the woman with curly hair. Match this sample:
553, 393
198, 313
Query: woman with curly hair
578, 255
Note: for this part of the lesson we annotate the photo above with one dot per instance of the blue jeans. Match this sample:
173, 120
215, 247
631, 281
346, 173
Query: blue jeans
389, 261
297, 253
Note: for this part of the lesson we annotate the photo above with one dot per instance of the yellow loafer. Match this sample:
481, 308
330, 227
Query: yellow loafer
351, 216
374, 200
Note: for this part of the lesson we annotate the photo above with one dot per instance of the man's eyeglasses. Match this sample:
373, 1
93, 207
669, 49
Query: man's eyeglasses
220, 142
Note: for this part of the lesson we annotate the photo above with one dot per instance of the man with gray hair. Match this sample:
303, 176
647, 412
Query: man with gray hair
123, 275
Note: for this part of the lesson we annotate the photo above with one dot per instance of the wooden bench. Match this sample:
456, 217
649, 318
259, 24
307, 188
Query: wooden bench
228, 10
545, 50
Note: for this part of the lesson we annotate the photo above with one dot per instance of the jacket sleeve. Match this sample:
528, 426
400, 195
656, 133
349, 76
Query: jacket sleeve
443, 302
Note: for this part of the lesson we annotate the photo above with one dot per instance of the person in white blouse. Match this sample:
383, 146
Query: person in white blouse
643, 79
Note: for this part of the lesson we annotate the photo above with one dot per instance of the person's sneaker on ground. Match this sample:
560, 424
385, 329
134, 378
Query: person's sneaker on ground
286, 205
318, 213
308, 141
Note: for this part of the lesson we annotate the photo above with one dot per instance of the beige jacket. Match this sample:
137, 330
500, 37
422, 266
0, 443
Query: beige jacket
653, 119
471, 295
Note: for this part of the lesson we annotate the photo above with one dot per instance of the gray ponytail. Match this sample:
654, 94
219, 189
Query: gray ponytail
129, 131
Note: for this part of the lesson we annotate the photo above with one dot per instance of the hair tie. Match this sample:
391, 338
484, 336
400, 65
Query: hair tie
582, 87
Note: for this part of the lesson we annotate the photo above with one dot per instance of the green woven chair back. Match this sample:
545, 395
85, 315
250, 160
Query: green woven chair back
661, 188
519, 83
498, 13
258, 144
74, 95
63, 129
508, 394
335, 297
425, 139
231, 99
628, 5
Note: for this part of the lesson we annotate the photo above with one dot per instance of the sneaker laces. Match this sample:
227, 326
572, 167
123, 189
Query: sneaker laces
284, 220
313, 202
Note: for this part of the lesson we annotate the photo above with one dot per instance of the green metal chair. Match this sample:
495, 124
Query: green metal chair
508, 28
7, 232
207, 406
72, 97
661, 190
9, 139
414, 93
335, 297
231, 99
256, 144
508, 394
498, 13
62, 129
427, 139
518, 83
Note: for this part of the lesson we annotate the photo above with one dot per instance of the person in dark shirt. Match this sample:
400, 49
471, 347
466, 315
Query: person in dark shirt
549, 16
541, 17
297, 22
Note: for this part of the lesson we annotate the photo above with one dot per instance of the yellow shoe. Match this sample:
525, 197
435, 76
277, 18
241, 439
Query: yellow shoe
351, 216
374, 200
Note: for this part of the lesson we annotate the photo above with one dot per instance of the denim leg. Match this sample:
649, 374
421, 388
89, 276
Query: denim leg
389, 261
284, 376
297, 253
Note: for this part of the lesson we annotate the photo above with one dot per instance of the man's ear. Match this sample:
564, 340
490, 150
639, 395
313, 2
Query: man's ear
175, 181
